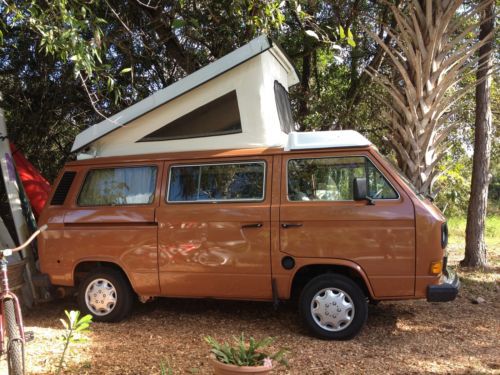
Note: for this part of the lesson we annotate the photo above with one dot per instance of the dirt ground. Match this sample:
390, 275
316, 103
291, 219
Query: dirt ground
399, 338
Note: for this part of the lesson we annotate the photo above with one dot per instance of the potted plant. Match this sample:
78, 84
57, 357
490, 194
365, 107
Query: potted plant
243, 357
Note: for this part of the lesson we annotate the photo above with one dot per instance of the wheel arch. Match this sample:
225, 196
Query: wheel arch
83, 267
308, 271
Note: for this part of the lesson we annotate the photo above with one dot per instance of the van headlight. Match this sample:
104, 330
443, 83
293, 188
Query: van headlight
444, 235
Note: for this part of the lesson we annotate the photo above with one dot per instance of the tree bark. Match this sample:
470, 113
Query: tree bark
475, 247
304, 85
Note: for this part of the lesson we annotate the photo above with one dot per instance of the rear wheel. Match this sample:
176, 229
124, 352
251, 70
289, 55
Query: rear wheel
15, 347
333, 307
106, 295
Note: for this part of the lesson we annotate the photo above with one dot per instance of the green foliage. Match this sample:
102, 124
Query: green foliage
69, 31
124, 51
165, 368
494, 188
457, 225
264, 16
243, 353
75, 327
453, 187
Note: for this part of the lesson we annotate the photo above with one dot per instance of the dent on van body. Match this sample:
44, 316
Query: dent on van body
215, 248
228, 261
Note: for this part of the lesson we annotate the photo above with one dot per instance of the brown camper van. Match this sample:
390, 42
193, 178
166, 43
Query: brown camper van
331, 223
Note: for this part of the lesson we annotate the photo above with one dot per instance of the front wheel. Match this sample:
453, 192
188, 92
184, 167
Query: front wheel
333, 307
15, 347
106, 295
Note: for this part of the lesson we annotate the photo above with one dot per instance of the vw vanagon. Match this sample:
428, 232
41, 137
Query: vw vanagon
206, 190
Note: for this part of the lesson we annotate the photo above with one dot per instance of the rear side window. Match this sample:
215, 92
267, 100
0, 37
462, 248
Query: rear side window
331, 179
63, 188
118, 186
284, 110
217, 182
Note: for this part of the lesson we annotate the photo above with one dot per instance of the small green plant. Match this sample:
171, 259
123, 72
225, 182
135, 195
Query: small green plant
246, 354
74, 327
165, 368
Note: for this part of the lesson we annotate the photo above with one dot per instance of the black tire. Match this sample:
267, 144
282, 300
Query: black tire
15, 347
122, 294
354, 307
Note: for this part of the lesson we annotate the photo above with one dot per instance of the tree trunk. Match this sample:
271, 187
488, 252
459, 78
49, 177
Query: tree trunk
430, 54
304, 85
475, 247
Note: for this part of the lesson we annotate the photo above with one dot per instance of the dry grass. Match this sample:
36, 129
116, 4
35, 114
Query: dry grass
400, 337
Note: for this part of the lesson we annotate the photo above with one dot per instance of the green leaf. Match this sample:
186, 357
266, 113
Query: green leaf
73, 317
82, 327
86, 319
312, 34
194, 22
178, 23
65, 325
350, 38
125, 70
341, 32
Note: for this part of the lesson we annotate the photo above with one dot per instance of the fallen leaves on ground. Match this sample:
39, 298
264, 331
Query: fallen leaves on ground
399, 338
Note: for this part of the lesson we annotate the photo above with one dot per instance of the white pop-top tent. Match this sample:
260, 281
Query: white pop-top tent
238, 101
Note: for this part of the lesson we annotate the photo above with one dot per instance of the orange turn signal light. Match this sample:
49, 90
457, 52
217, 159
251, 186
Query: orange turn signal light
436, 267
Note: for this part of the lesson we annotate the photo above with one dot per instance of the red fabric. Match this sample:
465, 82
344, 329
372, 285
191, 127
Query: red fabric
36, 186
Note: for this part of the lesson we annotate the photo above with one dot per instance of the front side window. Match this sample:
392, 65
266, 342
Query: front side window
217, 182
118, 186
331, 179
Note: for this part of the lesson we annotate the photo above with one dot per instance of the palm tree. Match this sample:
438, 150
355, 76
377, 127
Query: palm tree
430, 52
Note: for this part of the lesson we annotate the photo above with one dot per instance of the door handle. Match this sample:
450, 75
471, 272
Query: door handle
288, 225
256, 225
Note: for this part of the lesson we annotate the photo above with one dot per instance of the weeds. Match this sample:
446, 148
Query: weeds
74, 326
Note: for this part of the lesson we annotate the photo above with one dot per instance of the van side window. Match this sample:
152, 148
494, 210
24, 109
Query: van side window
63, 188
331, 179
217, 182
220, 116
118, 186
284, 110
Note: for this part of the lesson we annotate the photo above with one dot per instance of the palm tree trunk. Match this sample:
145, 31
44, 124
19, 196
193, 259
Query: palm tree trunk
475, 247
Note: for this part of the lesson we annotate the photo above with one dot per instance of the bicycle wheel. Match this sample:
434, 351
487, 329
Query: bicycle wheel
15, 357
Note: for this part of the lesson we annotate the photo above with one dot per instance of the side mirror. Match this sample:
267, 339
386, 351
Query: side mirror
359, 190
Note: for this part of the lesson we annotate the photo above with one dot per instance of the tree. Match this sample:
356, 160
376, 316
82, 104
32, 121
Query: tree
122, 51
475, 247
430, 52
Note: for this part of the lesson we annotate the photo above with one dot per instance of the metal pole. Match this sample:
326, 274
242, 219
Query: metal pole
13, 193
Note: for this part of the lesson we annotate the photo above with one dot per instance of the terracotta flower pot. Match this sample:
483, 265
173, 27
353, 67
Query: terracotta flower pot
224, 369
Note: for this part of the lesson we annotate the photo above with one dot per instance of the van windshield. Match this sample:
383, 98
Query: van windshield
401, 174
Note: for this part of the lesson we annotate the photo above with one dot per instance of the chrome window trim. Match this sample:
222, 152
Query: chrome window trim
344, 200
204, 201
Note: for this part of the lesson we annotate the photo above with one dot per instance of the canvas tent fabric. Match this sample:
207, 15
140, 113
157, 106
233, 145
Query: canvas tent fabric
36, 186
250, 72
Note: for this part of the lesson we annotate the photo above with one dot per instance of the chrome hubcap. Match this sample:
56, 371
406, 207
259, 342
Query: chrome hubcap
332, 309
100, 297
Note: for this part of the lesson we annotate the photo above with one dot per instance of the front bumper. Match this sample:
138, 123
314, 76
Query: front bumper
446, 291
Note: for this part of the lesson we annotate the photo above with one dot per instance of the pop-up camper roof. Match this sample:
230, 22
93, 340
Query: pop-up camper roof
238, 101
